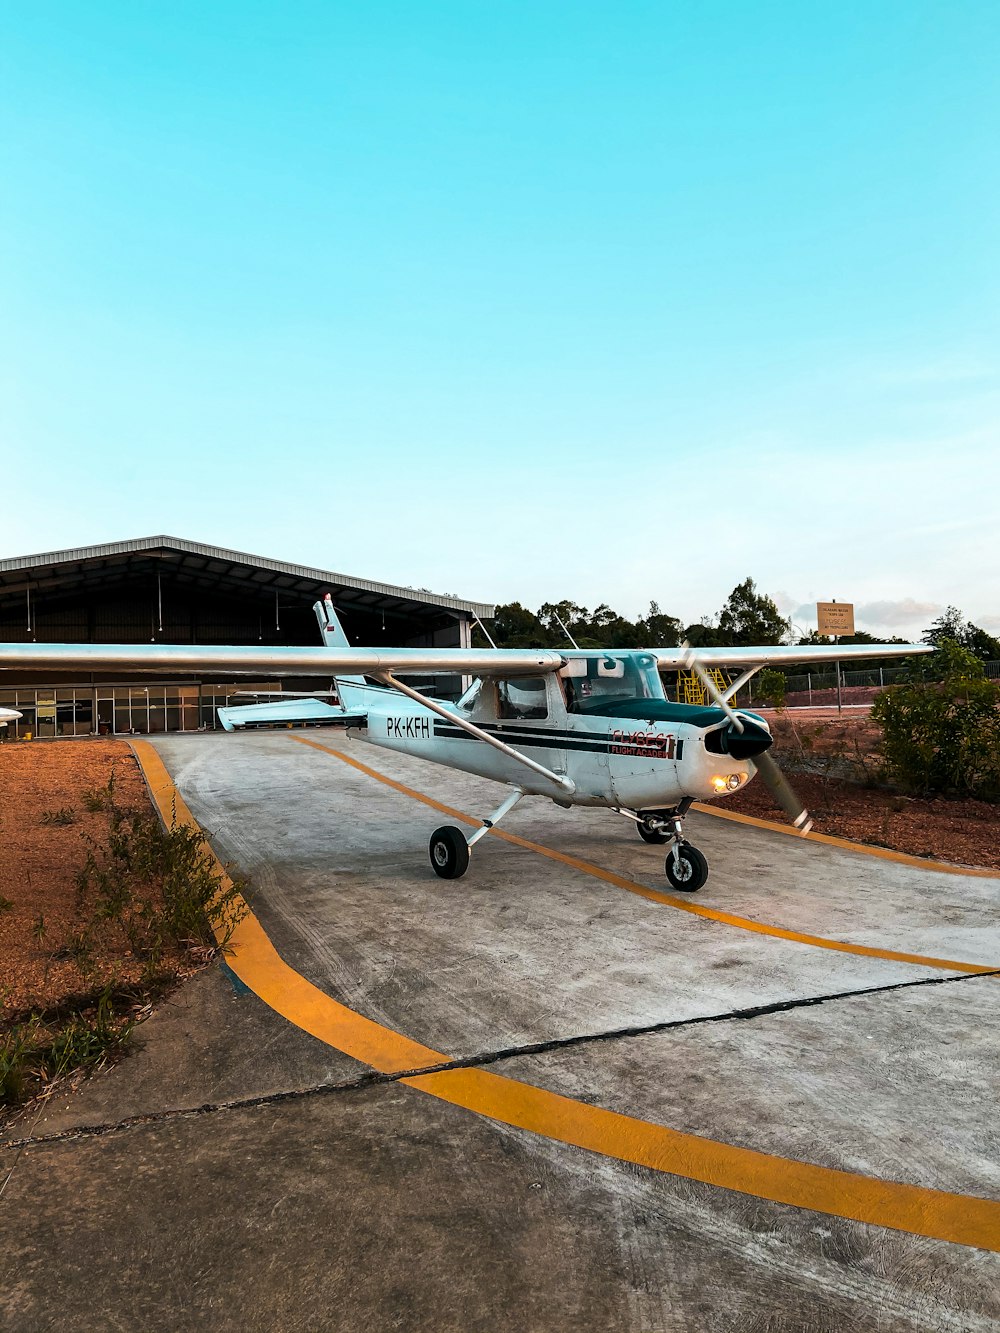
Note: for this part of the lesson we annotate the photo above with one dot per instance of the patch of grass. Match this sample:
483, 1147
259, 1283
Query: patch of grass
40, 1049
144, 892
5, 904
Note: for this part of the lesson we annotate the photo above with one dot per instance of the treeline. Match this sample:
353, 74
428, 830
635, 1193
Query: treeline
747, 617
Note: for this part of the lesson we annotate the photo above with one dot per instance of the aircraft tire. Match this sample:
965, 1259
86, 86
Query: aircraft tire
693, 869
648, 834
449, 852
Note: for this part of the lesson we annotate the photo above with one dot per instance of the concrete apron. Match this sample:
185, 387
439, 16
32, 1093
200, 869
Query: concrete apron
350, 1203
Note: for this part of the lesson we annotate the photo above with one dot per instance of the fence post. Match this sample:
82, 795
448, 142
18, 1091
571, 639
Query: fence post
809, 682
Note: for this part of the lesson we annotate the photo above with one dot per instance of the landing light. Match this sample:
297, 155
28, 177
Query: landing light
728, 782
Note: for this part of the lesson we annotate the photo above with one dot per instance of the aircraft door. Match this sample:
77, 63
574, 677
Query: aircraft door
586, 755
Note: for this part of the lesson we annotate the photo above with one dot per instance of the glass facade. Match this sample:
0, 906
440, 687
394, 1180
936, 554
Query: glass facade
121, 710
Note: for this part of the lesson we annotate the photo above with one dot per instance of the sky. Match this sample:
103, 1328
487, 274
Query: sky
522, 301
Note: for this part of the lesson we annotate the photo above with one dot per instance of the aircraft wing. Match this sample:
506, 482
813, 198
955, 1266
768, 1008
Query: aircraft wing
676, 659
324, 660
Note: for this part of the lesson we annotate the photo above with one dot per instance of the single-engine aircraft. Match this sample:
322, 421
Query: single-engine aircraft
588, 727
8, 715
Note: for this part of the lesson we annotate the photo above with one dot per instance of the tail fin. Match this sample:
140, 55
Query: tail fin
332, 633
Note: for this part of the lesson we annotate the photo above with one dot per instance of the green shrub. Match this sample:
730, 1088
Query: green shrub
769, 687
941, 734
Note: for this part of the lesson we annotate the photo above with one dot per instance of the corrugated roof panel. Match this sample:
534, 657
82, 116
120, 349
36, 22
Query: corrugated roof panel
228, 559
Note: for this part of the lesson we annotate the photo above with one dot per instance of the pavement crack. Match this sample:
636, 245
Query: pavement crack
483, 1059
667, 1025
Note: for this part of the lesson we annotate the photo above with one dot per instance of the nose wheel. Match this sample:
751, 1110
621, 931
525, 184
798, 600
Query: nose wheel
686, 868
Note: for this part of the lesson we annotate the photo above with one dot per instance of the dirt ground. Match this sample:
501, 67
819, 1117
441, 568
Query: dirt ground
39, 861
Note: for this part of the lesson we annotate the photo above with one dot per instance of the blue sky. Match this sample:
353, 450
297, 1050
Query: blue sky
607, 301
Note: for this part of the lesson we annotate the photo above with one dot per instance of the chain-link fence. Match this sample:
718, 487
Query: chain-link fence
808, 688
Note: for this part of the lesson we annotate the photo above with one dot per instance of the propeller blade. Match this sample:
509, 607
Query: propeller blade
771, 775
777, 784
692, 664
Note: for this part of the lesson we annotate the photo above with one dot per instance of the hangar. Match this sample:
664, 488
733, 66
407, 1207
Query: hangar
167, 590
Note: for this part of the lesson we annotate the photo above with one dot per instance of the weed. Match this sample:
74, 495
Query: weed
96, 799
143, 890
146, 886
5, 904
61, 817
41, 1049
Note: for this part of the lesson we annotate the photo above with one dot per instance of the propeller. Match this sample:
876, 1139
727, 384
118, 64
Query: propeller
771, 775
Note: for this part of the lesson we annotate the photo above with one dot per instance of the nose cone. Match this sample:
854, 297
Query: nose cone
753, 739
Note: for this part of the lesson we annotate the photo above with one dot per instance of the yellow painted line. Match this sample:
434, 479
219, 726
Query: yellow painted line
960, 1219
844, 844
655, 895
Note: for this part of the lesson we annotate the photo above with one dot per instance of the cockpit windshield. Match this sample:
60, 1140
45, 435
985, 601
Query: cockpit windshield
611, 678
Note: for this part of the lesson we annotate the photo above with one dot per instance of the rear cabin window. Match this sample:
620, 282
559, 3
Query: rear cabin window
524, 697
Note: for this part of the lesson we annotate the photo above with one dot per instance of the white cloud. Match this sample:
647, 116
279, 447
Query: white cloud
898, 615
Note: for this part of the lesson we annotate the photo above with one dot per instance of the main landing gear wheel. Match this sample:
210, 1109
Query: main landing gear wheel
449, 852
689, 871
649, 834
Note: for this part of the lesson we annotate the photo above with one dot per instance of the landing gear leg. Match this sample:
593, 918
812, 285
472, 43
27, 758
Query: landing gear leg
450, 848
686, 867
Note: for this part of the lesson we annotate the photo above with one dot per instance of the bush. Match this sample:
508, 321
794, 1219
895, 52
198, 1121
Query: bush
146, 885
770, 686
943, 735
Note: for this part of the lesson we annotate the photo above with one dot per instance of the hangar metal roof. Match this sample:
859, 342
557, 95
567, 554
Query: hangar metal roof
203, 566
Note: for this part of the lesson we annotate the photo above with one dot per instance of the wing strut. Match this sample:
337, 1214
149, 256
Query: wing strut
560, 779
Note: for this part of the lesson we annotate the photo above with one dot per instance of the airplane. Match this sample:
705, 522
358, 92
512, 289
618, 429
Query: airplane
8, 715
587, 727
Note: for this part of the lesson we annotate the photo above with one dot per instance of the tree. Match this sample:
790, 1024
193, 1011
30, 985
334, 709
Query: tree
514, 626
953, 625
750, 617
984, 645
658, 630
703, 634
950, 625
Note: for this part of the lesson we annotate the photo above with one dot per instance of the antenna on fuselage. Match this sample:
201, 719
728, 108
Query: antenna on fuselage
566, 632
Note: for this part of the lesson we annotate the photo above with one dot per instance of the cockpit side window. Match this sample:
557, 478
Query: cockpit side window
607, 678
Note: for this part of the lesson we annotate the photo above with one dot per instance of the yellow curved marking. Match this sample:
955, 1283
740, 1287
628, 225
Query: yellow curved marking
961, 1219
655, 895
883, 853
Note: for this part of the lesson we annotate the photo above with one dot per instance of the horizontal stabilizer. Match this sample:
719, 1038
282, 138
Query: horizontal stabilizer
285, 713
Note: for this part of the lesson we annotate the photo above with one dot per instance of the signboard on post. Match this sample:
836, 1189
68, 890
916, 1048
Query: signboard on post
836, 618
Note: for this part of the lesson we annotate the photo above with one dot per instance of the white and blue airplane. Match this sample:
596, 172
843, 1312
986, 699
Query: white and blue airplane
589, 727
8, 715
